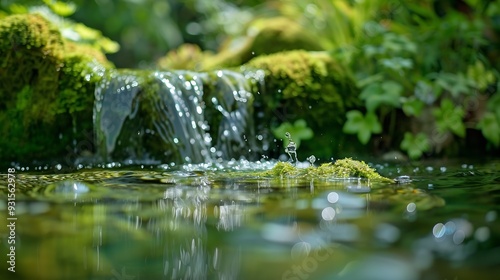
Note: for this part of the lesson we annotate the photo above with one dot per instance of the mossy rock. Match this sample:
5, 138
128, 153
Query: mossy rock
306, 85
342, 168
47, 88
264, 36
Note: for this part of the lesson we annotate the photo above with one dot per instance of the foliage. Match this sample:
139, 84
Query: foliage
415, 145
297, 80
298, 130
56, 12
363, 126
386, 92
264, 36
449, 118
309, 86
453, 75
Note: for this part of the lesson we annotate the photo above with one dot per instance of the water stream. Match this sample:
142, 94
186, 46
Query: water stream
218, 221
183, 200
181, 117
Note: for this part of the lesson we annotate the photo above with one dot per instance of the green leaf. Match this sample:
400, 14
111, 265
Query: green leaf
456, 84
490, 127
427, 92
449, 118
479, 75
376, 94
298, 131
413, 107
363, 126
397, 63
61, 8
415, 146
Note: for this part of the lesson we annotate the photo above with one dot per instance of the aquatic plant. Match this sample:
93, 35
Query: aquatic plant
342, 168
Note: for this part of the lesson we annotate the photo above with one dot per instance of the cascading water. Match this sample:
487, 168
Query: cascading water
180, 117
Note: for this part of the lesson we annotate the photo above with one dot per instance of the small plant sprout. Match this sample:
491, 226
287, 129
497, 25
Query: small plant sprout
291, 148
311, 159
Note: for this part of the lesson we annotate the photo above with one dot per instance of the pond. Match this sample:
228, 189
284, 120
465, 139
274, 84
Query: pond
221, 221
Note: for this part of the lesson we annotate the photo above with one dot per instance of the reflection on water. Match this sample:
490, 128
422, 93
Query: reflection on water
206, 222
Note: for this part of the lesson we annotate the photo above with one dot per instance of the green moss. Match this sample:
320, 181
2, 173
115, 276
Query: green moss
342, 168
263, 36
47, 88
185, 57
309, 86
300, 79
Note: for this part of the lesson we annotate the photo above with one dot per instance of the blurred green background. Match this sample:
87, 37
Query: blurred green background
427, 71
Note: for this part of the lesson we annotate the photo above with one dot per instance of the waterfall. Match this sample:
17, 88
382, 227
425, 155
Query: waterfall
180, 116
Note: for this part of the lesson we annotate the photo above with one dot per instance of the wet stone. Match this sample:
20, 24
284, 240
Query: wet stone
403, 179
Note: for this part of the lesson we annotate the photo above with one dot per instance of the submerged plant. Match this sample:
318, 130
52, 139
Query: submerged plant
342, 168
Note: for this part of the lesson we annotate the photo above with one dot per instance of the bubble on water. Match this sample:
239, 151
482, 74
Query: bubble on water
491, 216
458, 237
403, 179
411, 207
328, 214
71, 187
333, 197
438, 230
482, 234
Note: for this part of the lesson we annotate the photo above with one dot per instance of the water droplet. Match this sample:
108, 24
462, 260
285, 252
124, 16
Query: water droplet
482, 234
411, 207
291, 148
328, 214
333, 197
311, 159
438, 230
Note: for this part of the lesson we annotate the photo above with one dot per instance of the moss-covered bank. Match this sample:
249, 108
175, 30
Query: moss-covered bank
47, 89
310, 86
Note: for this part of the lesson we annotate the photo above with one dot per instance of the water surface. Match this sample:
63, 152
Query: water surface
223, 222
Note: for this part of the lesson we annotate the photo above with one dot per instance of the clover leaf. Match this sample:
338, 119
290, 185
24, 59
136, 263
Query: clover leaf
449, 118
415, 146
361, 125
490, 127
376, 94
298, 131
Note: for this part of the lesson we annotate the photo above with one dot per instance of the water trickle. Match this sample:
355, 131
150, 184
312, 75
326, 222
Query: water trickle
174, 116
291, 148
311, 159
